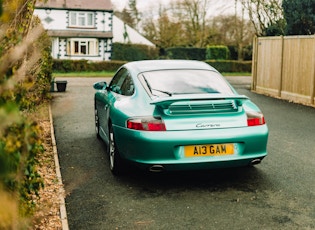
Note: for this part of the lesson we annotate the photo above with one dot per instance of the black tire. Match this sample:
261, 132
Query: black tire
116, 163
97, 123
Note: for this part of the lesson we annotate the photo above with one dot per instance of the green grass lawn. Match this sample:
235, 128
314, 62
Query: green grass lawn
110, 74
85, 74
237, 74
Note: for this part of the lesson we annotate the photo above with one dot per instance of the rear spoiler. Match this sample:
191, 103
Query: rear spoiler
166, 101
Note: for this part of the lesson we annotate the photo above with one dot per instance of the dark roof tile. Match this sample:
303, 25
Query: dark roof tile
76, 4
80, 33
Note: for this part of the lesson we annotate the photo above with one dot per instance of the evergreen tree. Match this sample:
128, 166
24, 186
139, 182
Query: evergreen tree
300, 16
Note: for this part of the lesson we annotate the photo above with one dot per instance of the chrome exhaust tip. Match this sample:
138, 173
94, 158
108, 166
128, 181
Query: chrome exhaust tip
255, 162
156, 168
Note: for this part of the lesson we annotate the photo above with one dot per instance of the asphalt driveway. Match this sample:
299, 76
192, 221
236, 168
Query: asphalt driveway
277, 194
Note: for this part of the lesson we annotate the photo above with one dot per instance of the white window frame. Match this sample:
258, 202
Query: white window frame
82, 47
81, 19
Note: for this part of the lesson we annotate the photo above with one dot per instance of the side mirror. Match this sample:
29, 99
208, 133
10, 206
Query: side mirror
102, 85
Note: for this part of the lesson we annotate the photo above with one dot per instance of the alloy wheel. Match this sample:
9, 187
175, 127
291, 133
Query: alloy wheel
111, 150
97, 124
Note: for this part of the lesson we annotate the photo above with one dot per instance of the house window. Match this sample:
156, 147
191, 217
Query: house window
81, 19
80, 46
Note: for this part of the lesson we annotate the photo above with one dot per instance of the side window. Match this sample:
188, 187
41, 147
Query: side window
118, 80
127, 87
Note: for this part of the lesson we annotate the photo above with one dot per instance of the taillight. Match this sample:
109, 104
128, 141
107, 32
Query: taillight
146, 124
255, 118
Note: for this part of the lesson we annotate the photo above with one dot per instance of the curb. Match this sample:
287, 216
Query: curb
63, 213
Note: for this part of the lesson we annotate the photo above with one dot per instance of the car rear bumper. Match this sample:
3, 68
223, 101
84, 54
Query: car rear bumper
179, 166
166, 149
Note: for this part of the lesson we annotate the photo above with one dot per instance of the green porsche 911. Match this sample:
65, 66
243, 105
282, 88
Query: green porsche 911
177, 115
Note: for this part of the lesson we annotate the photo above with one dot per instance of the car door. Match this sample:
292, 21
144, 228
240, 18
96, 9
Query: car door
118, 87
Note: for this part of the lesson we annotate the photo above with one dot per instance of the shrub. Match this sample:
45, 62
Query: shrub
217, 53
105, 65
132, 52
231, 65
25, 75
64, 66
186, 53
233, 52
20, 146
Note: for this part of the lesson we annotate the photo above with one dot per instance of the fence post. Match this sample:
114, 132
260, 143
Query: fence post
281, 64
313, 80
254, 62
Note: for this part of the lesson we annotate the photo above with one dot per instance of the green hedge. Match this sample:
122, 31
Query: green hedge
247, 52
132, 52
231, 66
219, 52
129, 52
186, 53
64, 66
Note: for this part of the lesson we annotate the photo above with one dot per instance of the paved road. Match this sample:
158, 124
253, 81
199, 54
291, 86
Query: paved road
277, 194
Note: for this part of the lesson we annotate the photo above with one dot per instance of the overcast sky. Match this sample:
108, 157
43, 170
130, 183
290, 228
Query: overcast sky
220, 7
141, 4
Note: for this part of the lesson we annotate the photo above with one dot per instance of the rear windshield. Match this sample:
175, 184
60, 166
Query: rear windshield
185, 82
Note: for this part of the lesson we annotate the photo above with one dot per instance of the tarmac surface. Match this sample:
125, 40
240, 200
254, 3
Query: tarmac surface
277, 194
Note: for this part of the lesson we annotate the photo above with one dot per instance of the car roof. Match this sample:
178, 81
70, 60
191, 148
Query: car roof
152, 65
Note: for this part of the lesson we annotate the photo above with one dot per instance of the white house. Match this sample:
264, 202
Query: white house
82, 29
79, 29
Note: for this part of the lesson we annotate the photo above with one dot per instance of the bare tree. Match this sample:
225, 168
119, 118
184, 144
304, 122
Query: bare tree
193, 16
165, 31
190, 23
234, 31
263, 13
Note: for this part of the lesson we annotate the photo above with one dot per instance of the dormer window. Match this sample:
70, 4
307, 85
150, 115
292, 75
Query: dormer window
81, 19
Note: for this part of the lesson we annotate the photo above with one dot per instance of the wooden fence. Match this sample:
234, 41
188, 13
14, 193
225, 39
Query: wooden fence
284, 67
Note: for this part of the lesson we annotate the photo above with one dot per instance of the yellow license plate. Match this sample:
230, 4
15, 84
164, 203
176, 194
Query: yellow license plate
209, 150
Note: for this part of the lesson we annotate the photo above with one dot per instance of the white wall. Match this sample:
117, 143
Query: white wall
56, 19
52, 19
